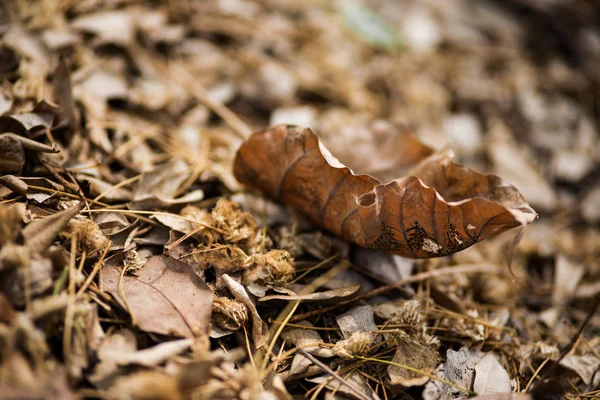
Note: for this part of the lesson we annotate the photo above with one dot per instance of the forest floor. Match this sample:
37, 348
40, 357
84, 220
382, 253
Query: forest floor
134, 265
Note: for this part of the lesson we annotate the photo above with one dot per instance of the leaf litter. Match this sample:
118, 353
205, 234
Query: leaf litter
136, 261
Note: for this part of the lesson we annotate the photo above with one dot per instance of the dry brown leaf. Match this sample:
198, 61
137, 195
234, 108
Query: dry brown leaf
158, 188
317, 296
356, 387
414, 354
164, 297
12, 155
39, 233
441, 209
14, 184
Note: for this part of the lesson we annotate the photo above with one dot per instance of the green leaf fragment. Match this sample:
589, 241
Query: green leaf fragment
370, 27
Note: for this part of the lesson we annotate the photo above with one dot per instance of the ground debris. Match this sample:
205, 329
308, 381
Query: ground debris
134, 265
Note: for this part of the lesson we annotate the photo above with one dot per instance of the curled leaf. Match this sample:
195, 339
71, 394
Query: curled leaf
441, 208
260, 330
12, 155
41, 232
316, 296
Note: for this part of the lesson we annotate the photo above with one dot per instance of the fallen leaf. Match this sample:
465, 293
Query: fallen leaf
357, 319
154, 355
459, 369
356, 387
442, 209
309, 340
158, 188
14, 184
370, 27
414, 354
12, 156
585, 366
490, 376
122, 341
260, 330
165, 296
39, 233
317, 296
386, 267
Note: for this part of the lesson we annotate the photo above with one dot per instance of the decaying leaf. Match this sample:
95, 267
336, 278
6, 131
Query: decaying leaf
40, 232
260, 330
309, 340
440, 209
585, 366
468, 368
490, 376
317, 296
164, 297
356, 386
159, 187
357, 319
415, 354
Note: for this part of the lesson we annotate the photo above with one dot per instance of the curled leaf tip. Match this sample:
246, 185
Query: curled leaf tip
439, 209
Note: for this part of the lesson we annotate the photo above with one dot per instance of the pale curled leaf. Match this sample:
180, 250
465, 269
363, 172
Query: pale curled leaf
15, 184
442, 209
415, 355
155, 355
12, 155
317, 296
260, 330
